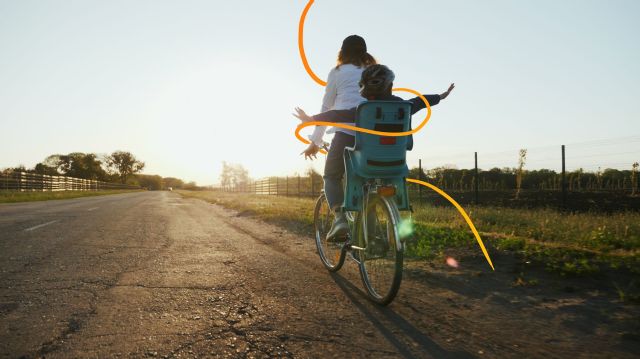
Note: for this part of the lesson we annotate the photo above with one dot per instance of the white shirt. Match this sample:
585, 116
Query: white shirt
342, 93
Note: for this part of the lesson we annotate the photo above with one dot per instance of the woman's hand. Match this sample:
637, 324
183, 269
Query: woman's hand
311, 151
302, 116
446, 93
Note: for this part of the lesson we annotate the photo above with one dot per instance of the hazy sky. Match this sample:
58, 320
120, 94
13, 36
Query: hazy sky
185, 85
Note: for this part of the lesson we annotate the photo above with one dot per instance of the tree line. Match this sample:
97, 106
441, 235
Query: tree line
543, 179
233, 175
119, 166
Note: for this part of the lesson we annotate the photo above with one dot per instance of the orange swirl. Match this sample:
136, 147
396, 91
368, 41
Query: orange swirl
366, 130
303, 56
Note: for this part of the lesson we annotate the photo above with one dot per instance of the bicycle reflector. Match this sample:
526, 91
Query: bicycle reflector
387, 191
387, 140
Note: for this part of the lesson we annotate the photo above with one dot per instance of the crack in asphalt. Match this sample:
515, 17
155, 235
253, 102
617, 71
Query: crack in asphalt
206, 288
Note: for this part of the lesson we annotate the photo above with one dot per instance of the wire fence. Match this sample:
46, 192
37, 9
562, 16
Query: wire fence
589, 156
25, 182
485, 180
307, 186
584, 199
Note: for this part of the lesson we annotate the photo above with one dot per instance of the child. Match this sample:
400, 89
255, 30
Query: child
375, 84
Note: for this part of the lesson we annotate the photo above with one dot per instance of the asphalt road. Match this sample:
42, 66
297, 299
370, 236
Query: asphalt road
150, 274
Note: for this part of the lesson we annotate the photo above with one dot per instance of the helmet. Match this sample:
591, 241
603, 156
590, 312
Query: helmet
376, 80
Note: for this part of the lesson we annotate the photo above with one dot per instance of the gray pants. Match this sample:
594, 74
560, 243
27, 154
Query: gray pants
334, 168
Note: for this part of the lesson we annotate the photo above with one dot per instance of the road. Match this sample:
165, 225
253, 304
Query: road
150, 274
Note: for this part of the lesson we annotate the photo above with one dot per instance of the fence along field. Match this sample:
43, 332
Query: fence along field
601, 187
33, 182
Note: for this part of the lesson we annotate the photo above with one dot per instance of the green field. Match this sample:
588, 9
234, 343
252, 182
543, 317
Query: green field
15, 196
569, 244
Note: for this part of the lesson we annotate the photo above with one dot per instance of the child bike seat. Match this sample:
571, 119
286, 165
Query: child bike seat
376, 157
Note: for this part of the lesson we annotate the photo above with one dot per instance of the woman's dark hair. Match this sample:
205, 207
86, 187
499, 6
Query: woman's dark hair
354, 51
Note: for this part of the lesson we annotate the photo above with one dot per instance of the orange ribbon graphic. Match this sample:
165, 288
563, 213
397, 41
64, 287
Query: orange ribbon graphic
321, 82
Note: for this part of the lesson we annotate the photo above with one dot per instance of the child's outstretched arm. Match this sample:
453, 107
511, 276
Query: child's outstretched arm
418, 104
446, 93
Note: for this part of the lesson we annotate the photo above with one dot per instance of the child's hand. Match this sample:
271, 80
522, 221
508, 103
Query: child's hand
446, 93
302, 116
311, 151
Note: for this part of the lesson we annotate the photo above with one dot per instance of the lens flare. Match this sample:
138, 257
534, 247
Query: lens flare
405, 229
452, 262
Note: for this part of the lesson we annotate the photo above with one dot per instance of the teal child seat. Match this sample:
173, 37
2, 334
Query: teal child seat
377, 158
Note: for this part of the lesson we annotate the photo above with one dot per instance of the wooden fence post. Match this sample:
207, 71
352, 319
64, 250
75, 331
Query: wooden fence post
477, 179
420, 178
564, 183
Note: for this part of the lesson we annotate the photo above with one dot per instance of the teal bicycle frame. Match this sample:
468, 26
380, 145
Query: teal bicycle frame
375, 185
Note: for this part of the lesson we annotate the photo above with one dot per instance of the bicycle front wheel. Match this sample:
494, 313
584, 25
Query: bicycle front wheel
382, 259
331, 254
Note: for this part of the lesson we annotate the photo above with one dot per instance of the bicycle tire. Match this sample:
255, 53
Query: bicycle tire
332, 255
381, 268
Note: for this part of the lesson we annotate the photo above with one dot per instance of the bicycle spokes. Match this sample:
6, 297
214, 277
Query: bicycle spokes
331, 254
381, 265
375, 247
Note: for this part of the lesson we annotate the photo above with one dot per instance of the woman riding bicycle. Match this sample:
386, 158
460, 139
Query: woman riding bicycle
342, 92
375, 84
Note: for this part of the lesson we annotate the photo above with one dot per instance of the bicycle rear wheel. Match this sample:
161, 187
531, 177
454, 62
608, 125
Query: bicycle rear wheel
381, 261
331, 254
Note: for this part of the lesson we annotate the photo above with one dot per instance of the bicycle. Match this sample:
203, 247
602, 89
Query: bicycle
375, 193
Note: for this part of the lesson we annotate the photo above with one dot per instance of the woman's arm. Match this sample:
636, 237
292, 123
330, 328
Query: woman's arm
317, 135
328, 101
330, 92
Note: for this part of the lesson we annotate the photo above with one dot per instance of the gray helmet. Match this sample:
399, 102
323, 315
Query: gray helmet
376, 80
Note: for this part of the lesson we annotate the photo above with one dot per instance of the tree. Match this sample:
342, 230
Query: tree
634, 178
18, 168
124, 164
522, 158
415, 173
48, 167
43, 169
191, 186
150, 182
233, 175
75, 164
173, 182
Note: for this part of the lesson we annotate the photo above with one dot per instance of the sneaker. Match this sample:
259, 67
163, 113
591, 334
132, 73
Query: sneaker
339, 228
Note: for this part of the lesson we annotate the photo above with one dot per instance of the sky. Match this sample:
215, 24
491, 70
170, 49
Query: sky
185, 85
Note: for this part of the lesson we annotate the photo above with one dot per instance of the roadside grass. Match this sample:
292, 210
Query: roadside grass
15, 196
569, 244
296, 213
